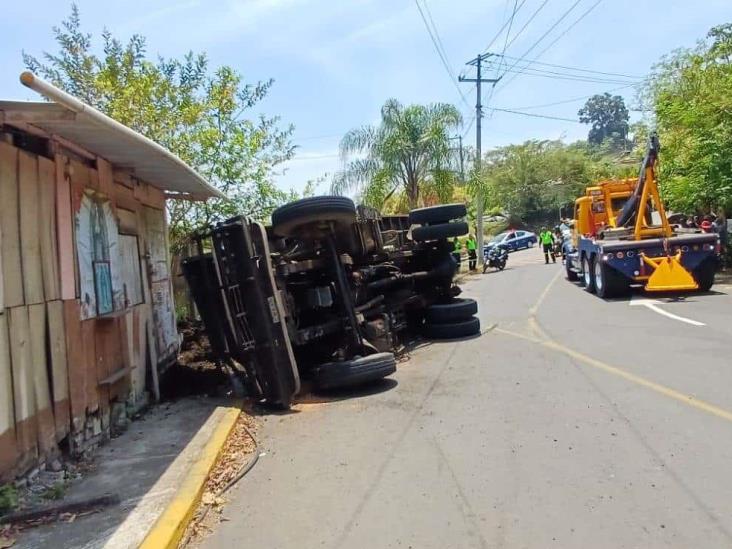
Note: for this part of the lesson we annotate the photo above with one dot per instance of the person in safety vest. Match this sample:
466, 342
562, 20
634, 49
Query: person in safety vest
472, 247
456, 249
547, 241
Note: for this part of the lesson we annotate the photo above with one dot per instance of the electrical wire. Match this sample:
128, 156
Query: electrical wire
528, 22
500, 31
534, 115
535, 61
541, 38
566, 76
505, 42
565, 101
571, 26
436, 41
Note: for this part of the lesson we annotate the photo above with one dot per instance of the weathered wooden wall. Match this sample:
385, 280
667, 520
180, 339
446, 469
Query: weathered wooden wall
63, 367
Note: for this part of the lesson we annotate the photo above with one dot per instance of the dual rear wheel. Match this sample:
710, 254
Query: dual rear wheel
599, 278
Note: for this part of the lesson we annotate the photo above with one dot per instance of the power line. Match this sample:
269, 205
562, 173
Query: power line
436, 41
570, 27
556, 23
501, 29
534, 115
505, 42
565, 101
528, 22
565, 76
580, 18
535, 61
437, 34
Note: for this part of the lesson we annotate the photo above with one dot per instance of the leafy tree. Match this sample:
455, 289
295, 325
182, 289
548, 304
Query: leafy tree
197, 113
690, 92
533, 180
609, 118
409, 151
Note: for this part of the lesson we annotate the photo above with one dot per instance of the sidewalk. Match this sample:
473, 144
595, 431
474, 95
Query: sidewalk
144, 467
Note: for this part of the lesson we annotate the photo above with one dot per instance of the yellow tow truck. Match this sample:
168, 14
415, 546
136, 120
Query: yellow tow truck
617, 241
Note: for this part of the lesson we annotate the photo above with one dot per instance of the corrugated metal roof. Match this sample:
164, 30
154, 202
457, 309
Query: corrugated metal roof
79, 123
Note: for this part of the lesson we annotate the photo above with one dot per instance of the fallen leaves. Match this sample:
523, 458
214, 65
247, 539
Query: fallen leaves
234, 456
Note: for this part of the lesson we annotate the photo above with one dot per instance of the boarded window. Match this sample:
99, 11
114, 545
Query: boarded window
129, 253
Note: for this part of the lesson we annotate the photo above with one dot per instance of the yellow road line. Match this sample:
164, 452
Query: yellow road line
687, 399
542, 297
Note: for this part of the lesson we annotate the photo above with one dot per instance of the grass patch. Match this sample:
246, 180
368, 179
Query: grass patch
8, 498
56, 491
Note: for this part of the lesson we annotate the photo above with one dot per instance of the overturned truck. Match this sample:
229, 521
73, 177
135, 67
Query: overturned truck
327, 292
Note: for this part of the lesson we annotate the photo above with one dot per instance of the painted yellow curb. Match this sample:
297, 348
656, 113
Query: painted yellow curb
168, 530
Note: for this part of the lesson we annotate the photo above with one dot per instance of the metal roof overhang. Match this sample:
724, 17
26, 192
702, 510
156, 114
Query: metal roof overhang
124, 148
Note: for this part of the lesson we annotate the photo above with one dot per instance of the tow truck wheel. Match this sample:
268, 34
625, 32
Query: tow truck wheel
588, 275
357, 371
608, 282
704, 274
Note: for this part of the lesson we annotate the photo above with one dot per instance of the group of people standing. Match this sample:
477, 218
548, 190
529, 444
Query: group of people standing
471, 245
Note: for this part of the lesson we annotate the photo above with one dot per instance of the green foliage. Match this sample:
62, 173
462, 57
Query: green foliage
532, 181
56, 491
197, 113
8, 498
609, 118
690, 92
409, 152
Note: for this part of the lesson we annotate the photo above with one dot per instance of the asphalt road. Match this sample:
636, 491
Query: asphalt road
571, 422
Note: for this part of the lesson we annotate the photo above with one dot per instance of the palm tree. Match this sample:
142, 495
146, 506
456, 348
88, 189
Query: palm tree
408, 150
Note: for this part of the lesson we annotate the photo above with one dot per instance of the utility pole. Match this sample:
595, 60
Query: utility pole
478, 64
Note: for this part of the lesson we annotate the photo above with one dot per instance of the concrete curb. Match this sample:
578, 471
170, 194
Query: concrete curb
172, 523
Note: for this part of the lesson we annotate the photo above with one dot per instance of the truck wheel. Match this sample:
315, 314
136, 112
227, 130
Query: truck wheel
588, 275
437, 214
357, 371
308, 217
571, 275
439, 232
609, 282
454, 311
704, 274
455, 330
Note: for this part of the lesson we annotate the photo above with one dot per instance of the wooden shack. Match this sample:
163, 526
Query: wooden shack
87, 319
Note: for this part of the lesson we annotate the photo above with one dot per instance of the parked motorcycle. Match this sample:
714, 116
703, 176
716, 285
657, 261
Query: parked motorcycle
496, 257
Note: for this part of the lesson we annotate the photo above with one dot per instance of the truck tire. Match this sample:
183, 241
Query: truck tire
455, 330
588, 274
454, 311
438, 232
357, 371
571, 275
608, 282
704, 274
302, 217
437, 214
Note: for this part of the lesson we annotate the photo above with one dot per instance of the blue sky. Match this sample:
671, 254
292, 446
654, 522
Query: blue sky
335, 62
